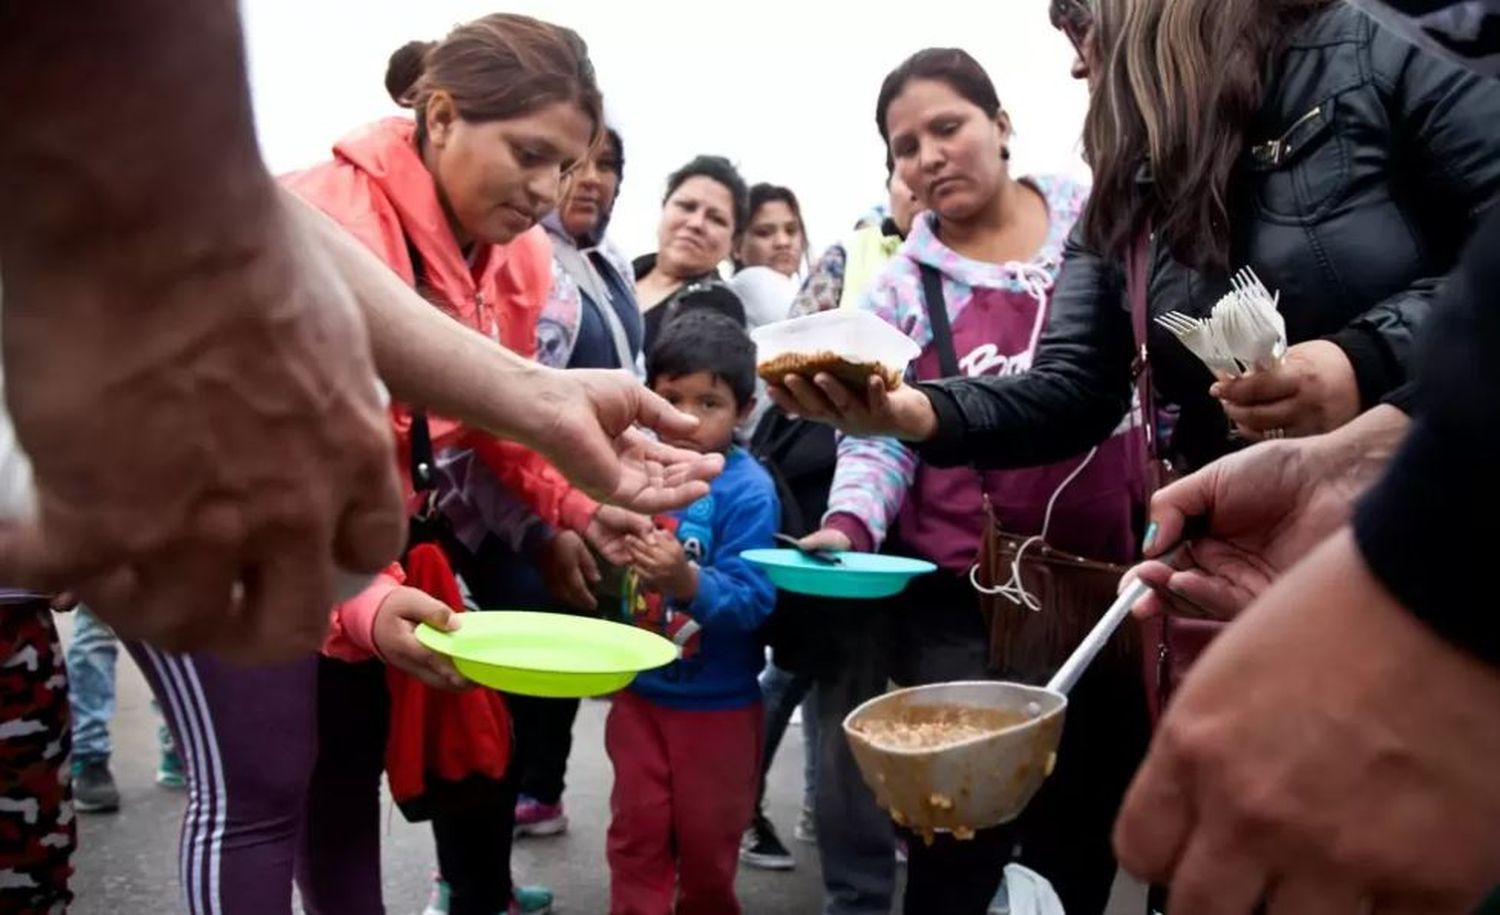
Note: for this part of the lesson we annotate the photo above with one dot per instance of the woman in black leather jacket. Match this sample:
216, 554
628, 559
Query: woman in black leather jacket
1347, 170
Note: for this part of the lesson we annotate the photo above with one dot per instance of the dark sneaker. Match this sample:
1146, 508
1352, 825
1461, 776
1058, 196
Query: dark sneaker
94, 789
762, 848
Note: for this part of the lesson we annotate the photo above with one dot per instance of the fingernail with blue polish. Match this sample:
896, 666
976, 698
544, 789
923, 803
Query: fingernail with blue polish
1150, 541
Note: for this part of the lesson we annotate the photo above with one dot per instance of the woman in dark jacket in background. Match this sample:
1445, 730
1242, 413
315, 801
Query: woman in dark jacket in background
706, 208
1344, 165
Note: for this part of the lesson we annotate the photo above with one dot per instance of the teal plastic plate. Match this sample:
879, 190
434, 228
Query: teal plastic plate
860, 576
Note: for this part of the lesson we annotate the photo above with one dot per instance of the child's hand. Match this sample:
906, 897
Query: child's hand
395, 637
610, 528
569, 571
663, 564
64, 602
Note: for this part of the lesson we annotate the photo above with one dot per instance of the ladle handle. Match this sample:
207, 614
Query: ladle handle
1067, 675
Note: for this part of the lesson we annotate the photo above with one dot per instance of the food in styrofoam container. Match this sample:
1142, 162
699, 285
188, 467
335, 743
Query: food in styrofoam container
853, 346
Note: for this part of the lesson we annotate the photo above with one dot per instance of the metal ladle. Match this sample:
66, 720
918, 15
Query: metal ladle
985, 780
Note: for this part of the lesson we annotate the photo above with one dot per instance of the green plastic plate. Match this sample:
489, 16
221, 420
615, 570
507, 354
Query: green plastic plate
551, 655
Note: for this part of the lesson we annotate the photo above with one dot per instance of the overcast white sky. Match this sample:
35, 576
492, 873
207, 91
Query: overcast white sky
785, 89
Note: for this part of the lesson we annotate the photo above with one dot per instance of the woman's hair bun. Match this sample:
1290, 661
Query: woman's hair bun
405, 68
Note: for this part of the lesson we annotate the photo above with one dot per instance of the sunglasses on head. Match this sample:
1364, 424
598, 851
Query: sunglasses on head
1073, 18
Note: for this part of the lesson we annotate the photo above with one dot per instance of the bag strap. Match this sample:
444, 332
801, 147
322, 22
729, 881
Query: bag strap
936, 305
1137, 279
423, 465
937, 317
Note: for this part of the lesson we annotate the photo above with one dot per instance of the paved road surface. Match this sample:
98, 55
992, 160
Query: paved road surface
127, 862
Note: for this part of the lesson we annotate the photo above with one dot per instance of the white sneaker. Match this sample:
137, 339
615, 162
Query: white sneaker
806, 829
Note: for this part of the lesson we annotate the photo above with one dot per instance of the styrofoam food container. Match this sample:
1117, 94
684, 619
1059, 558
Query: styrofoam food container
855, 335
969, 785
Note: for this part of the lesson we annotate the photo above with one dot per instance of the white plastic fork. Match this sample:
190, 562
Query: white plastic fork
1201, 339
1244, 331
1253, 323
1230, 318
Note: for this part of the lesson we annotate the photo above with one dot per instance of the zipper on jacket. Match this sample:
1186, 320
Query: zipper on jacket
484, 319
1272, 152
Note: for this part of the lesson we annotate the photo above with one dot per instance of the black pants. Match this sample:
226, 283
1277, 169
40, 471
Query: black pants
544, 738
473, 846
543, 727
1064, 834
474, 821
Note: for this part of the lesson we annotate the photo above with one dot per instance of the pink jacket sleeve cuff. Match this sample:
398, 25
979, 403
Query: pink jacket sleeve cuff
577, 511
860, 538
351, 637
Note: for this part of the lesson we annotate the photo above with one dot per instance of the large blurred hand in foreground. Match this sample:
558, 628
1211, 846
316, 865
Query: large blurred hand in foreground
207, 439
1328, 754
1267, 508
185, 366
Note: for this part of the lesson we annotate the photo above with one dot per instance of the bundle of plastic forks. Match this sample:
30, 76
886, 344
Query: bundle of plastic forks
1243, 333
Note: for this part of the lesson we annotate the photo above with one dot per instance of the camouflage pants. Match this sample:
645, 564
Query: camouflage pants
37, 831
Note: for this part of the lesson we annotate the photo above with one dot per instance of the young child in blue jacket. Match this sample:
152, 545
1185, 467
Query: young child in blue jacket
685, 740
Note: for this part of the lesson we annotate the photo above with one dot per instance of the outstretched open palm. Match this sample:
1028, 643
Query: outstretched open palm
1267, 507
596, 435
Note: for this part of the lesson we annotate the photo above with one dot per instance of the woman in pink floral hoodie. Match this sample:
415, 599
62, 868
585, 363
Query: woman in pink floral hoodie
983, 259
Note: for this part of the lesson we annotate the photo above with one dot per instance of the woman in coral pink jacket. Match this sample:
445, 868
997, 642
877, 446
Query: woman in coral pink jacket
284, 762
488, 266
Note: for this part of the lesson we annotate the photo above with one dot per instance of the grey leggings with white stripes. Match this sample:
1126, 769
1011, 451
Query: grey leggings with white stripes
276, 791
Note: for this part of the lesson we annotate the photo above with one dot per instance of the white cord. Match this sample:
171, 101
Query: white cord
1014, 590
1036, 281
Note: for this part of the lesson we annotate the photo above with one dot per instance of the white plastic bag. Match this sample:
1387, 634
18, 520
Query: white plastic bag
1030, 892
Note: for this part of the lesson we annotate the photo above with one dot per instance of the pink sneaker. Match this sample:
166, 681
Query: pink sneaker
533, 818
